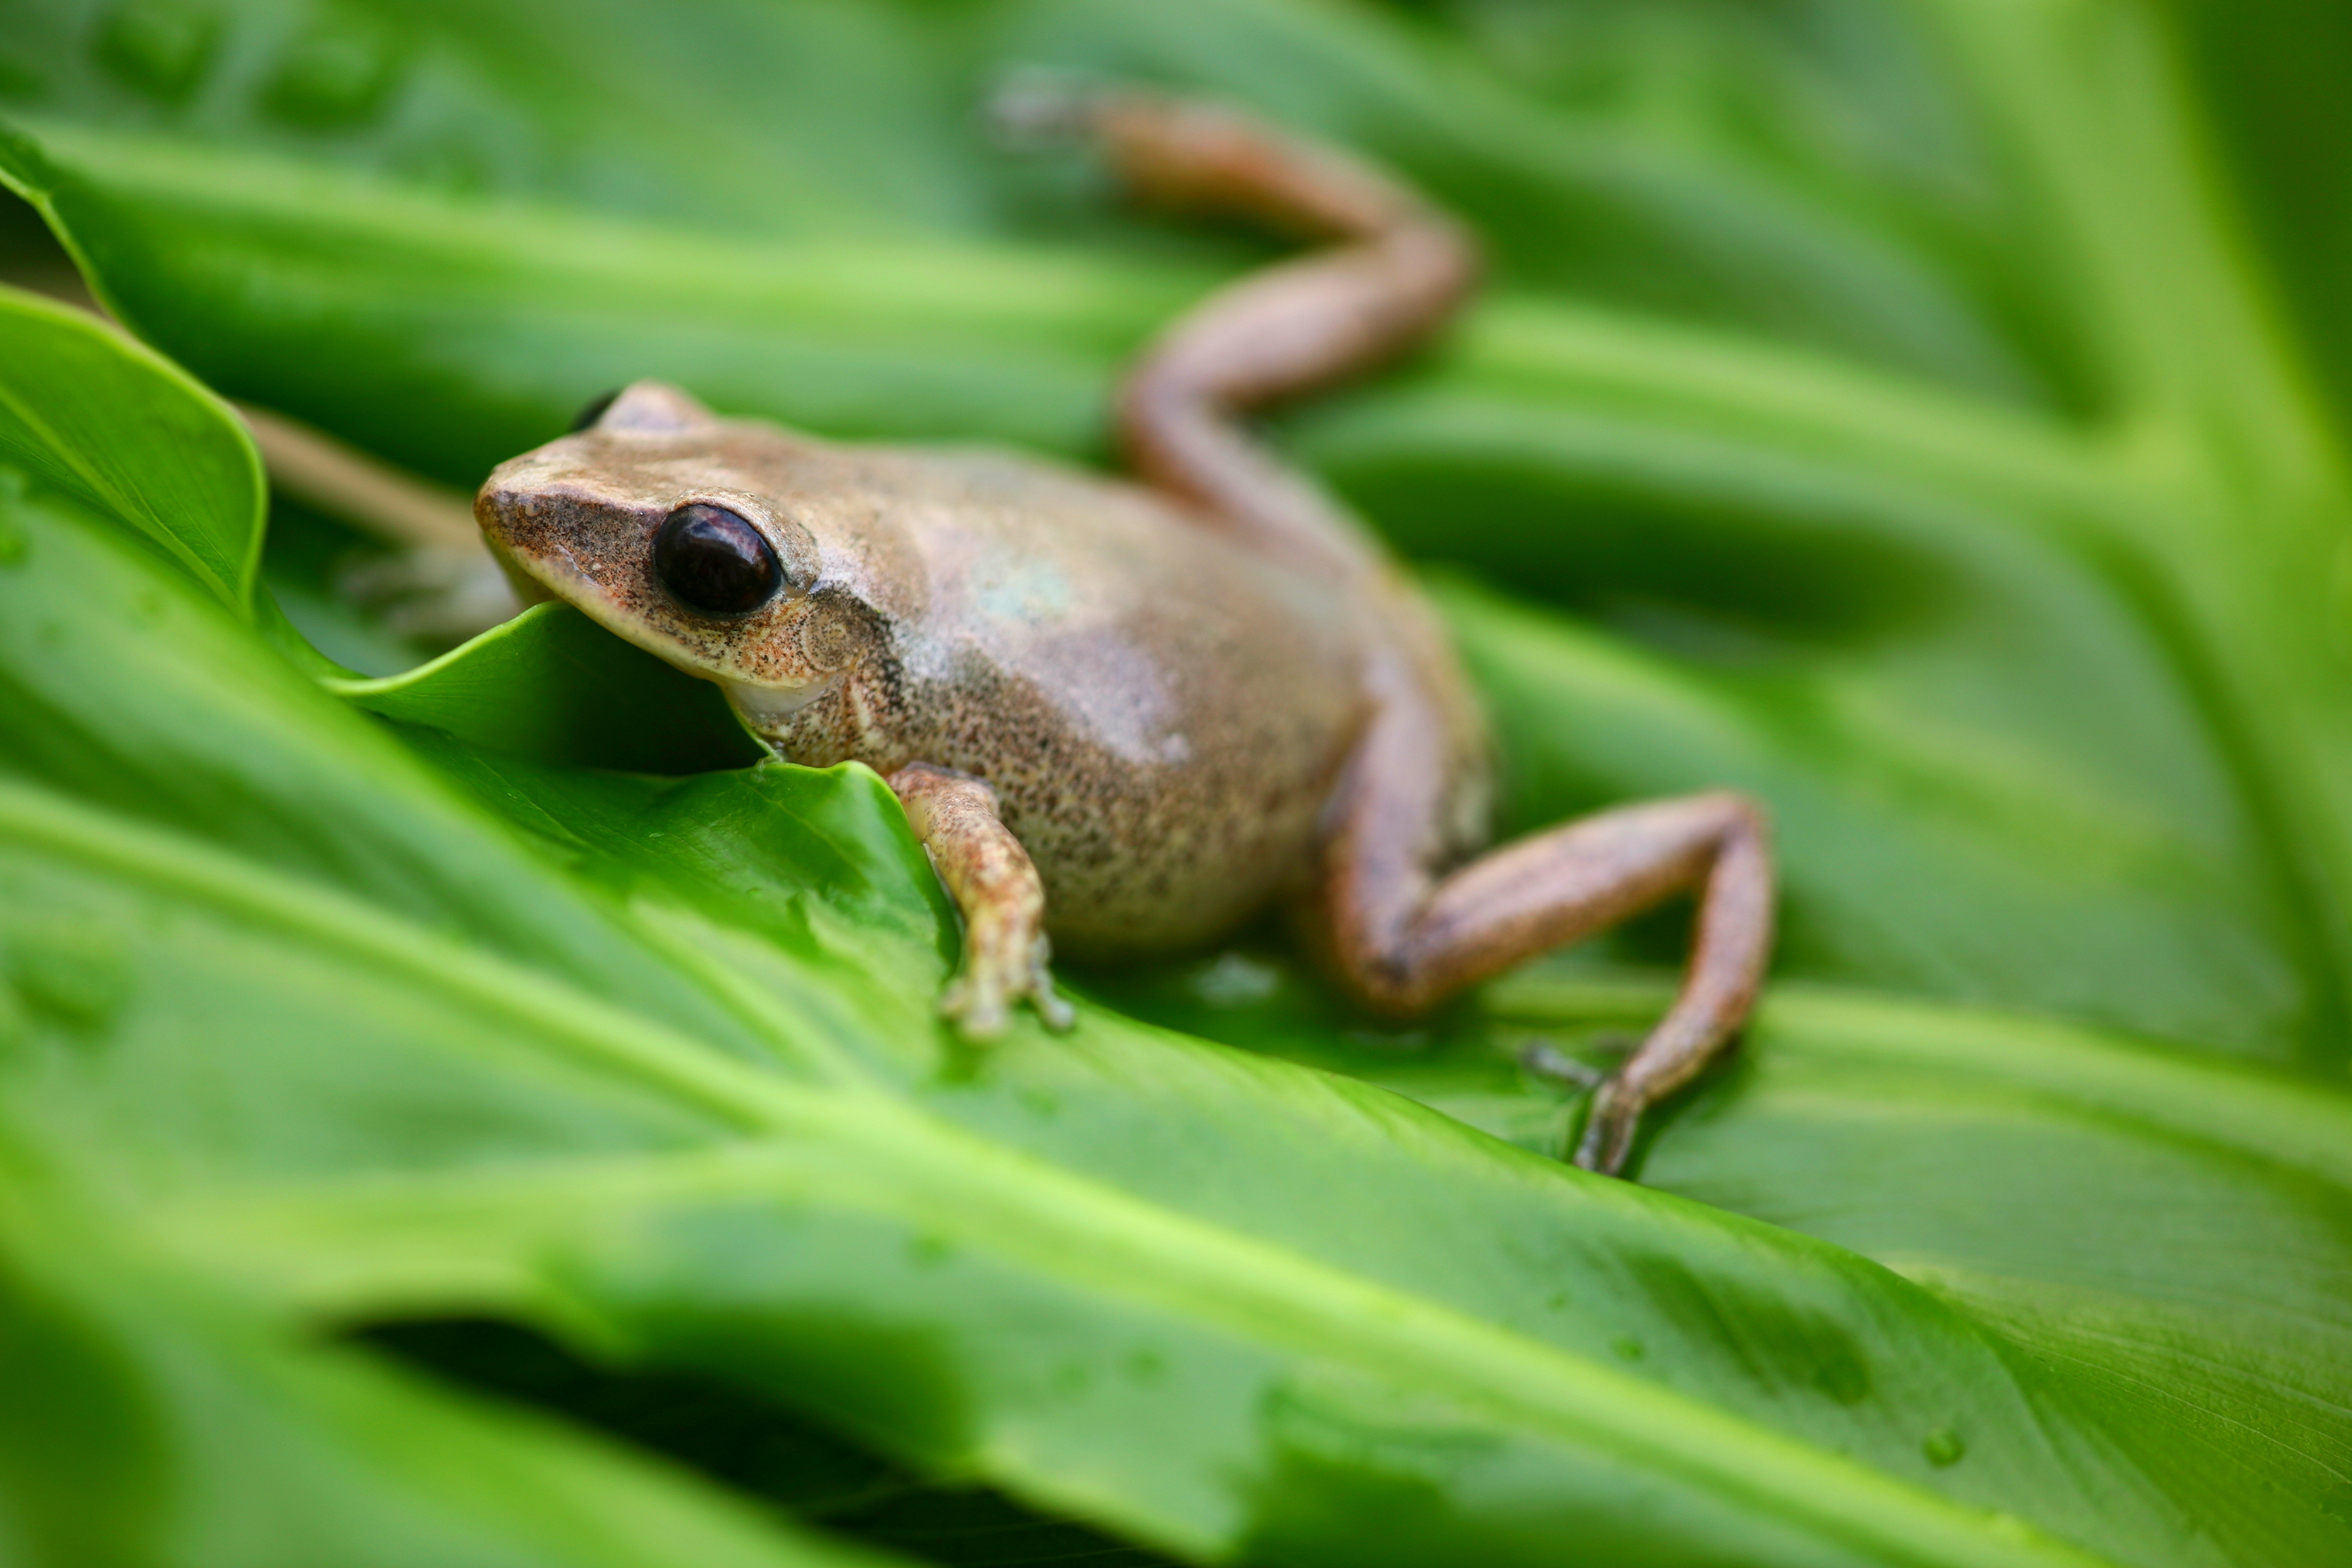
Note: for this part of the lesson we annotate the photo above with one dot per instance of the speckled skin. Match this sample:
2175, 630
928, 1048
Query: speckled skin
1161, 712
1144, 710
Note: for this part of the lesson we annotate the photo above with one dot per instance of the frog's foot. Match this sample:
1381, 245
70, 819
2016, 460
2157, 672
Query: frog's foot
1545, 1059
1609, 1125
1554, 888
1614, 1112
978, 1001
995, 884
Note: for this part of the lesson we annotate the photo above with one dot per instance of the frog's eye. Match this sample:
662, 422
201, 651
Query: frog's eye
711, 560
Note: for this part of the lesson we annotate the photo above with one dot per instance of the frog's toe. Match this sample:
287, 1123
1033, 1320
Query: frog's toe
980, 1001
1040, 988
1609, 1126
978, 1008
1059, 1016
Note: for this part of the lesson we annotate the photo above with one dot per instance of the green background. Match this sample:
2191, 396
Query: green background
1925, 416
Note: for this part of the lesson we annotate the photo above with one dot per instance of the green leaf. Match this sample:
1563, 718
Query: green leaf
651, 1065
191, 482
1876, 610
1940, 550
854, 126
1882, 409
152, 1420
552, 685
2269, 72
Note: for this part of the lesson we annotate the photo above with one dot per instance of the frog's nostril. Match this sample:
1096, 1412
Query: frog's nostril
712, 561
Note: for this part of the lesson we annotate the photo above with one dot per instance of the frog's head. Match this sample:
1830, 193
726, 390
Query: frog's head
667, 526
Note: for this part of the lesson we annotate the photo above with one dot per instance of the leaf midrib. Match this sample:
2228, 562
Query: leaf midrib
1093, 1235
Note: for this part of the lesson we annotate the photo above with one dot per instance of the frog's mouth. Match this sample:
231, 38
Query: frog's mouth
555, 572
767, 709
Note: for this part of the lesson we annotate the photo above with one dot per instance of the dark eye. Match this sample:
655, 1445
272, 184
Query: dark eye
711, 560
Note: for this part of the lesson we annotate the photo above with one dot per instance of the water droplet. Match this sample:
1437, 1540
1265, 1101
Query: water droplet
161, 48
1628, 1348
1943, 1448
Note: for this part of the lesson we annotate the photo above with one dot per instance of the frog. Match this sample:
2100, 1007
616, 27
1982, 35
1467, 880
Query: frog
1126, 714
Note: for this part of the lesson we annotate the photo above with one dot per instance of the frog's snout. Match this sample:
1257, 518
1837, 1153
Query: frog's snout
559, 541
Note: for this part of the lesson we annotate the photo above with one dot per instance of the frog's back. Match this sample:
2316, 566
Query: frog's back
1161, 712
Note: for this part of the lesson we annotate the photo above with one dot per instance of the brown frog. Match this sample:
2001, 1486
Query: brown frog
1132, 714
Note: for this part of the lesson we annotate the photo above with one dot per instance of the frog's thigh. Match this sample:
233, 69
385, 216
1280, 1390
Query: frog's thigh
995, 884
1406, 939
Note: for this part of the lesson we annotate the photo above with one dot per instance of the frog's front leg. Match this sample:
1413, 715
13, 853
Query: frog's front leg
995, 884
1405, 939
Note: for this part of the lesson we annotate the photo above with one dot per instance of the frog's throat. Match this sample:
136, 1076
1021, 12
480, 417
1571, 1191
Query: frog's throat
767, 709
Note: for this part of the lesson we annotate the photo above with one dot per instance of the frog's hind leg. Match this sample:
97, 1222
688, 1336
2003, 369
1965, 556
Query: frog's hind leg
1404, 939
1392, 269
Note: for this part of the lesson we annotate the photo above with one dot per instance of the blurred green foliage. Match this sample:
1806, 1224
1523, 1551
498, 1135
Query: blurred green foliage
1928, 416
